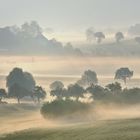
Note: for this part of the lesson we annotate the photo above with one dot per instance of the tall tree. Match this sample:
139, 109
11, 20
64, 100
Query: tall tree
24, 82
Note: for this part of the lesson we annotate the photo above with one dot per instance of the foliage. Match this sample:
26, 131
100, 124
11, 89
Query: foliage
88, 78
119, 36
61, 108
20, 84
123, 74
39, 93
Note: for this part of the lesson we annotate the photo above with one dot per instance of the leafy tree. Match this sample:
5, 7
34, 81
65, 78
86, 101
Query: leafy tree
75, 90
18, 92
97, 92
119, 36
57, 88
56, 85
114, 87
99, 36
123, 74
88, 78
39, 93
24, 82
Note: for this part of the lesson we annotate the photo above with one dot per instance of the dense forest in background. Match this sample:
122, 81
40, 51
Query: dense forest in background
29, 39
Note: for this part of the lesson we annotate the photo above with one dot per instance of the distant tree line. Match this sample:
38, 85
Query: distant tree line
21, 84
99, 36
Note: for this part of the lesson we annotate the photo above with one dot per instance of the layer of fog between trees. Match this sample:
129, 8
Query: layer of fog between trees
21, 84
84, 96
29, 39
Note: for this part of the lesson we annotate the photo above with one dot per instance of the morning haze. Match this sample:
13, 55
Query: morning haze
69, 69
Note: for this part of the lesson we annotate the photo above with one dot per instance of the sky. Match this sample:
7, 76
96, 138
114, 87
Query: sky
69, 17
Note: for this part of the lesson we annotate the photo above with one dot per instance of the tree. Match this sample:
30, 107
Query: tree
137, 39
114, 87
24, 82
3, 94
88, 78
90, 34
99, 36
97, 92
57, 89
75, 90
39, 93
119, 36
31, 29
56, 85
123, 74
18, 92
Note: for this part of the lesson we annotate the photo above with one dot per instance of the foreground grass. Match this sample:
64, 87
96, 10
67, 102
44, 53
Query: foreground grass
103, 130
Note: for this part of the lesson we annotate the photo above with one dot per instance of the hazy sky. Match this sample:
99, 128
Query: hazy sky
71, 15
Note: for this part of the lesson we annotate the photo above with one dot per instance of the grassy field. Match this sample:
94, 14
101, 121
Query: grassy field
128, 129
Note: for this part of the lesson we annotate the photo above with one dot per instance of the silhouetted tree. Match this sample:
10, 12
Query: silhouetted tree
123, 74
88, 78
99, 36
57, 89
97, 92
74, 90
24, 82
119, 36
39, 93
18, 92
114, 88
56, 85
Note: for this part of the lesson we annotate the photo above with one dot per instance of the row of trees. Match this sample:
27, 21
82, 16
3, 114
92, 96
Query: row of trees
99, 36
110, 93
88, 84
21, 84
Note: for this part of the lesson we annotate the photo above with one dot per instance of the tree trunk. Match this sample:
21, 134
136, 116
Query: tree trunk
125, 81
38, 100
18, 99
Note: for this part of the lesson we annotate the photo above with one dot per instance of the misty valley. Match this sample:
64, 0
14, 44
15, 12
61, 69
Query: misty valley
70, 70
66, 100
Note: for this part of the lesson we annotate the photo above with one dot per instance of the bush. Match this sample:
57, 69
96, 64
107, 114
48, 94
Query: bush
64, 108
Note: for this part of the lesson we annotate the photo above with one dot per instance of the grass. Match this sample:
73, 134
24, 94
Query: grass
103, 130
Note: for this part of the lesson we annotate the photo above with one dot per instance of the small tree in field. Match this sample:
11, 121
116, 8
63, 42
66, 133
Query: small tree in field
99, 36
119, 36
123, 74
39, 93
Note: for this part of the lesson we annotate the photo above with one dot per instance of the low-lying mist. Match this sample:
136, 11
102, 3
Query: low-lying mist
31, 119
